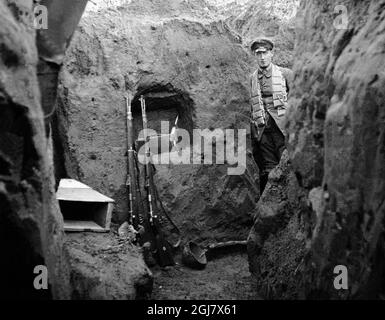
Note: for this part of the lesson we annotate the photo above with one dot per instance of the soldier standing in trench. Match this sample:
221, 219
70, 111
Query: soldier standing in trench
269, 90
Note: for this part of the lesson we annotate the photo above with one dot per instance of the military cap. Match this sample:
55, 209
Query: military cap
261, 45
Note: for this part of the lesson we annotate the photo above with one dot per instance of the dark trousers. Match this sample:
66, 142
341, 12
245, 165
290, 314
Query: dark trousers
268, 151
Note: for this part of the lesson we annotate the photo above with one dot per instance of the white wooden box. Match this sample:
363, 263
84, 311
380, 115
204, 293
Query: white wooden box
83, 208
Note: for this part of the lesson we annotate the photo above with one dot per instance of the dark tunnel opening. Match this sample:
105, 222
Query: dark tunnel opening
164, 103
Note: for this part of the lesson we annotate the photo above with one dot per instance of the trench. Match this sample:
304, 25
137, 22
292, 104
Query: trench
306, 230
222, 273
166, 103
225, 278
226, 275
234, 281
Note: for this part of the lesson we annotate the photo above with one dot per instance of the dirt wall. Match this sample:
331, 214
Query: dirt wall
336, 150
31, 227
188, 63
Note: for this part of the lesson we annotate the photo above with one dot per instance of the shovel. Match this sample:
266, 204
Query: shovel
194, 255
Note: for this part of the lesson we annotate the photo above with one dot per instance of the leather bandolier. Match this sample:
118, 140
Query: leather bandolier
265, 106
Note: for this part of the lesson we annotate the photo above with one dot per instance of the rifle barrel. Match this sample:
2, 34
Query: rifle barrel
148, 158
131, 177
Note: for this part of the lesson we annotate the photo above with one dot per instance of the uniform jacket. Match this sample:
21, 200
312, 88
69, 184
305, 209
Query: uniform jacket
266, 87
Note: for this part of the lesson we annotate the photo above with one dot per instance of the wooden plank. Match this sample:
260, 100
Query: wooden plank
72, 190
81, 194
109, 214
77, 225
71, 183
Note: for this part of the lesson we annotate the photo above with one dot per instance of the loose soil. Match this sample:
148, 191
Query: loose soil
225, 278
103, 267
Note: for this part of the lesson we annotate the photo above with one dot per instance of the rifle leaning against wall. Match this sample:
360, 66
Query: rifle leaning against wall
131, 182
163, 249
137, 214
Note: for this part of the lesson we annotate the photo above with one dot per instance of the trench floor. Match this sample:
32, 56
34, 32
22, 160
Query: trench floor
225, 278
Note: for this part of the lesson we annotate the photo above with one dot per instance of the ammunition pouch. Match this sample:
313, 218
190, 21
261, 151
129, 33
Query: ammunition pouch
280, 102
276, 103
259, 116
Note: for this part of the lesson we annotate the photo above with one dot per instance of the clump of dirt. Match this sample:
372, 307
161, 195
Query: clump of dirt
102, 267
225, 278
277, 241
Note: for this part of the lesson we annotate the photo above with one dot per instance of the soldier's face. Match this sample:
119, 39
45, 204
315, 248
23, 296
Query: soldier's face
264, 58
